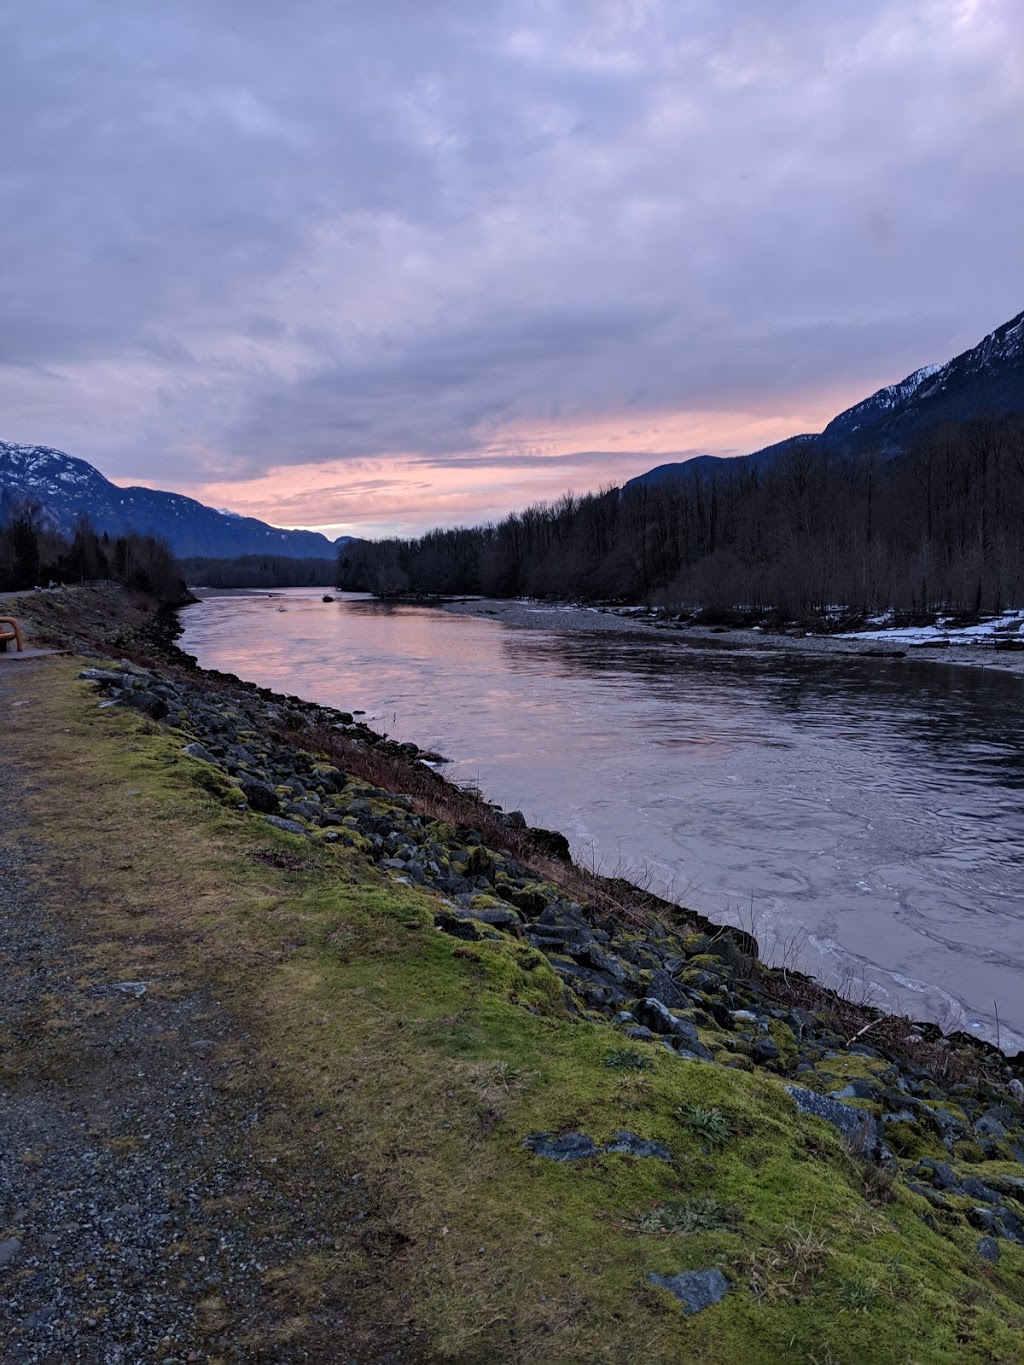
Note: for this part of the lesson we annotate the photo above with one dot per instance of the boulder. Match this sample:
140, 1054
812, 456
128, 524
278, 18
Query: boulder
289, 826
856, 1126
260, 796
552, 843
988, 1249
663, 988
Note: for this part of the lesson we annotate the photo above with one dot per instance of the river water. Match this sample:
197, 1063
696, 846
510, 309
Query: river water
864, 817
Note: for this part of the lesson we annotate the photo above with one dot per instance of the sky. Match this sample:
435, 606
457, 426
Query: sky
370, 266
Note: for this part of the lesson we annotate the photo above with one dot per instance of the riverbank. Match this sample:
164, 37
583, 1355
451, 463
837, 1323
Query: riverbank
922, 645
586, 1125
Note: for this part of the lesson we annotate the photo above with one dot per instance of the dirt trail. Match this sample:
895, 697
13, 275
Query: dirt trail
138, 1220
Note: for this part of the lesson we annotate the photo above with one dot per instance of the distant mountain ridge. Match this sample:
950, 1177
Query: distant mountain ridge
64, 488
985, 381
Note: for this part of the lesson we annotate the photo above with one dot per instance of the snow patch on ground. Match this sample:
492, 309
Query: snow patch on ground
1010, 623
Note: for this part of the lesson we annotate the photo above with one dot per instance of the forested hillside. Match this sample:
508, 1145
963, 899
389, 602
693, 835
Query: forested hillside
938, 527
31, 554
259, 571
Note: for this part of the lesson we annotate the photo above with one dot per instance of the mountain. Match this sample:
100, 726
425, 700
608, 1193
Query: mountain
64, 488
986, 381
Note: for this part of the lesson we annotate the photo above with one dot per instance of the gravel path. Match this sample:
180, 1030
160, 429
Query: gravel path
139, 1220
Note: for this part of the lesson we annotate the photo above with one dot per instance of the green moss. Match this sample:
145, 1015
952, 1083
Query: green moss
968, 1150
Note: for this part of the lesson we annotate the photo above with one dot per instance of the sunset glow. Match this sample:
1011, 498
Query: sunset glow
374, 269
407, 494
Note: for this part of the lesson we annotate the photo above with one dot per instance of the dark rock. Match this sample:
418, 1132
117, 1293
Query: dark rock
656, 1016
150, 704
304, 810
658, 1019
552, 843
530, 900
856, 1090
489, 914
766, 1050
949, 1128
800, 1021
260, 796
1009, 1186
604, 997
940, 1173
663, 988
856, 1126
195, 750
289, 826
579, 1147
639, 1034
695, 1289
9, 1249
628, 1144
689, 1053
513, 819
721, 1014
988, 1249
591, 956
106, 677
990, 1127
977, 1189
569, 1147
457, 927
936, 1200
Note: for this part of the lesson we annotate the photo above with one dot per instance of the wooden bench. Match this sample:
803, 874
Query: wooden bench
11, 630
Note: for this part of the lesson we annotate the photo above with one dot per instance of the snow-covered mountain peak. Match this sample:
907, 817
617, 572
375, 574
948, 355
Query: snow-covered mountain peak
44, 470
63, 488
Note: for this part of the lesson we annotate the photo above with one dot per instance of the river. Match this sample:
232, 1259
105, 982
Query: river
864, 817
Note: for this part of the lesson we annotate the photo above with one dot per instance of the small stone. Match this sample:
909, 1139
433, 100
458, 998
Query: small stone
628, 1144
568, 1147
695, 1289
133, 988
9, 1249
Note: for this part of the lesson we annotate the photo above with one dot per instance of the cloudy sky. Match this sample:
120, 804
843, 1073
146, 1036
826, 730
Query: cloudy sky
366, 265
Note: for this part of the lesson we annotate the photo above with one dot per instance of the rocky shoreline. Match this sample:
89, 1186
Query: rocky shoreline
921, 1108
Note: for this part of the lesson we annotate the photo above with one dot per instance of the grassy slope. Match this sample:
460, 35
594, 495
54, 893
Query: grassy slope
421, 1062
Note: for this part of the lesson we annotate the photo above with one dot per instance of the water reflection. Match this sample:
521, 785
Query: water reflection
868, 811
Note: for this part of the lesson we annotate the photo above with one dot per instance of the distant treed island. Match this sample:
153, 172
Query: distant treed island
259, 571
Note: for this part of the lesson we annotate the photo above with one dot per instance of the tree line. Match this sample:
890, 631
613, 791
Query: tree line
939, 527
259, 571
34, 554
